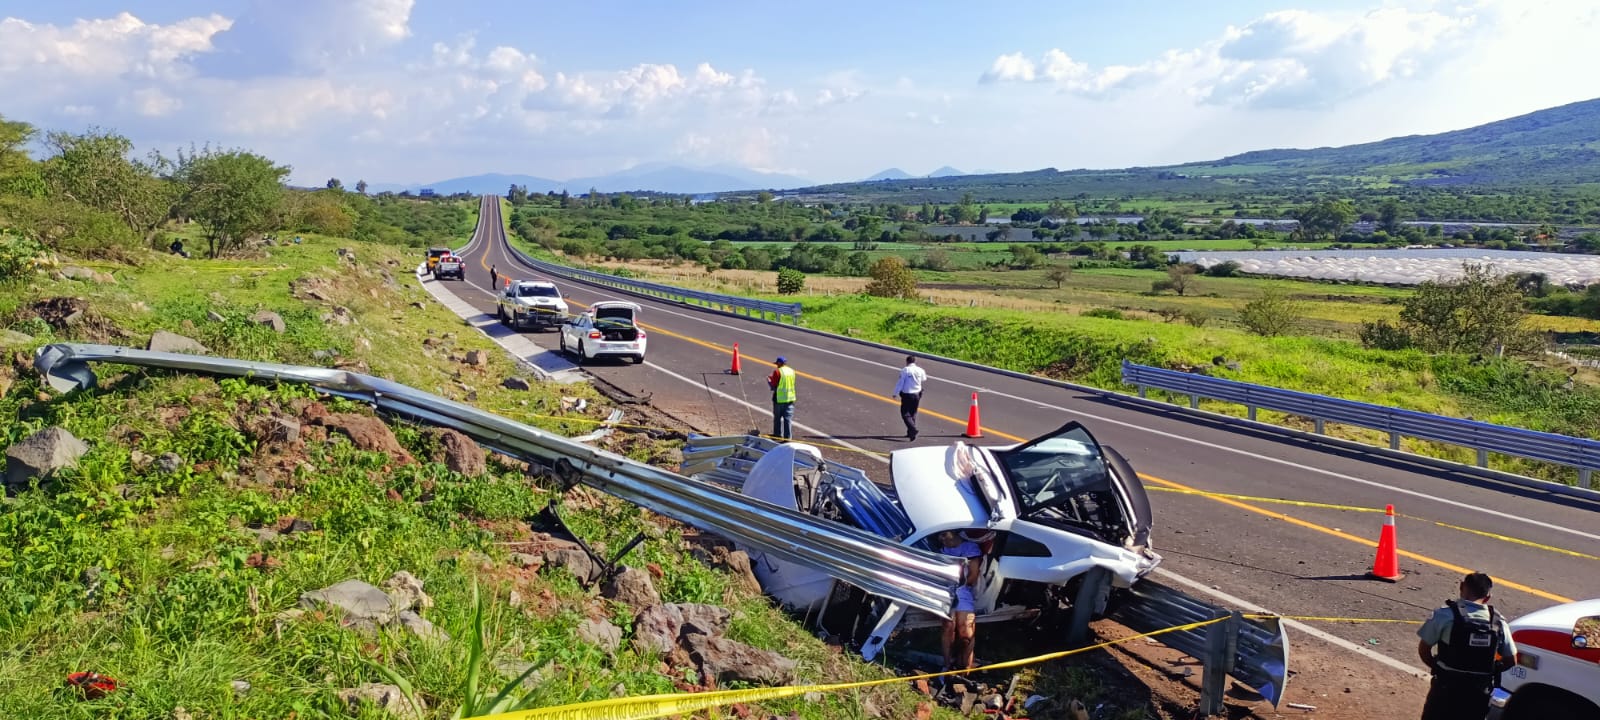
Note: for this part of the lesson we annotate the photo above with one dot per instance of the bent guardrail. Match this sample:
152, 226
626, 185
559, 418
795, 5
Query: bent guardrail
717, 301
883, 567
1580, 453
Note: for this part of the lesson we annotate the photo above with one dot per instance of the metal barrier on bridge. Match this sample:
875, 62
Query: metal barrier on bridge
716, 301
1580, 453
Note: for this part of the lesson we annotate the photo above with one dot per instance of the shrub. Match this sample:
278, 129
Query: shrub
1107, 313
892, 279
1195, 318
791, 281
1223, 269
1384, 335
18, 258
1271, 313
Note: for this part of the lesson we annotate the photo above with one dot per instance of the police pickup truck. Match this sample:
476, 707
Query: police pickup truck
531, 304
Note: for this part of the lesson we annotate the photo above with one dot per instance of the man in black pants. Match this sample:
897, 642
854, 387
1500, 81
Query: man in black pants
909, 390
1467, 645
494, 278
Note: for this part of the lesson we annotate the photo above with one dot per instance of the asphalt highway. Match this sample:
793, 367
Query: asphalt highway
1294, 559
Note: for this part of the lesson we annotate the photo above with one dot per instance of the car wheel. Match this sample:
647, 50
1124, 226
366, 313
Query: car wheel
638, 359
582, 354
1550, 705
563, 343
500, 314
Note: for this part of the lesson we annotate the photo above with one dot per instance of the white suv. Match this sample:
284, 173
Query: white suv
1557, 674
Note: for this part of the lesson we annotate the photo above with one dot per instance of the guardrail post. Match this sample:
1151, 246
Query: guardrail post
1317, 425
1222, 640
1194, 402
1483, 458
1142, 391
1586, 478
1394, 440
1250, 411
1090, 594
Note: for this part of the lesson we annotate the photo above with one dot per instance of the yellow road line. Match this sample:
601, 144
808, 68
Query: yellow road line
1278, 501
1308, 525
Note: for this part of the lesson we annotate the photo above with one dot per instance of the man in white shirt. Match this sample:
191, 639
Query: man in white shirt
909, 390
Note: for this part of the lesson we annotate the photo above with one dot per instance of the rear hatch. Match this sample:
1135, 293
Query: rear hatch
616, 322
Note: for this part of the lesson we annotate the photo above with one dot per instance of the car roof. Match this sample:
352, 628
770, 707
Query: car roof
438, 249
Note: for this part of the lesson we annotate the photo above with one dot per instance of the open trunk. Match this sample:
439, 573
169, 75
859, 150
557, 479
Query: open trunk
615, 322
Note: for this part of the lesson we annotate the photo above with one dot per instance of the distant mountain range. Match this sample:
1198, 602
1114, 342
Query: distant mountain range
898, 174
1554, 147
651, 177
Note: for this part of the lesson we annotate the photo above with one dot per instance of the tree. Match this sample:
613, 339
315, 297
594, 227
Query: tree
1389, 216
1181, 278
1025, 256
1324, 219
232, 194
763, 197
892, 279
93, 169
335, 184
1476, 313
1058, 274
791, 281
1271, 313
361, 186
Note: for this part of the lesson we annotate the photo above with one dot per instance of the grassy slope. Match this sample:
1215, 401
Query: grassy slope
172, 616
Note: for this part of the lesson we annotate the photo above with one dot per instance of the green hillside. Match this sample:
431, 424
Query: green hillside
1555, 148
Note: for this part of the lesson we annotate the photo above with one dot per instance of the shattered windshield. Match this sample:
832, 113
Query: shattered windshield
1053, 469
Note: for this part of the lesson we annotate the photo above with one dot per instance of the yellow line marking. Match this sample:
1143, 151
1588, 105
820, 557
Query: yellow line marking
1279, 501
1424, 559
1516, 541
1151, 478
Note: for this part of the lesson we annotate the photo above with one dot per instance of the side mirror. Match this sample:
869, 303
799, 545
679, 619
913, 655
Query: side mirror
1586, 633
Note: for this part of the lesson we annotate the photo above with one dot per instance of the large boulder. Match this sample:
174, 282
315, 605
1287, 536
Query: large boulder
269, 319
41, 455
459, 453
360, 603
575, 561
730, 660
163, 341
388, 698
633, 587
367, 433
600, 634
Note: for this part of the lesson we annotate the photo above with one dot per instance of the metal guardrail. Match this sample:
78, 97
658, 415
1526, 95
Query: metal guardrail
902, 574
717, 301
1580, 453
1255, 651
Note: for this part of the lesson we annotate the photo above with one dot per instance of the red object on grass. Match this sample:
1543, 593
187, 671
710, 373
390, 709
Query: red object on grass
93, 685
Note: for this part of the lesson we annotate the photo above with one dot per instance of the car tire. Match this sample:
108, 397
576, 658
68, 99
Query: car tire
500, 314
562, 341
638, 359
582, 356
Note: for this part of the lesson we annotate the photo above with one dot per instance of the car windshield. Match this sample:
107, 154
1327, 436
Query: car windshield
1055, 468
537, 291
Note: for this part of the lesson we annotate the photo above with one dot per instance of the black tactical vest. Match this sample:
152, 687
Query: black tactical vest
1473, 643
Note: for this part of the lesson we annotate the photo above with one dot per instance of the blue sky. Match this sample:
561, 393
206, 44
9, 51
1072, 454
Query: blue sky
422, 90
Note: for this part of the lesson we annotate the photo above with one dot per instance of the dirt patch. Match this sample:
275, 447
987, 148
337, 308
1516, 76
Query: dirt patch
72, 318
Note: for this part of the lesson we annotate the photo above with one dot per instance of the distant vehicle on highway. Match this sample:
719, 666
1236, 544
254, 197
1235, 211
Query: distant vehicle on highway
533, 304
1557, 674
434, 253
606, 329
450, 267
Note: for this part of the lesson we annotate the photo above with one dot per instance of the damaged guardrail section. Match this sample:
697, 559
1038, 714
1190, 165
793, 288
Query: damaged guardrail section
915, 577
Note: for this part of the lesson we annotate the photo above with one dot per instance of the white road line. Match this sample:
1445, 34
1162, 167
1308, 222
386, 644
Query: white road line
1242, 604
1170, 436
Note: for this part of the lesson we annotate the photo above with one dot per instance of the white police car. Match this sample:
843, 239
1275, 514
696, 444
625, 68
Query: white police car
1557, 674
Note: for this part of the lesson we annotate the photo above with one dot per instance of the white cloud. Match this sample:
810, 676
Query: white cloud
1291, 58
275, 37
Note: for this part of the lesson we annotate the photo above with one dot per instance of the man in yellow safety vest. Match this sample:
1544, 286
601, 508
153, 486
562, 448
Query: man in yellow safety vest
782, 383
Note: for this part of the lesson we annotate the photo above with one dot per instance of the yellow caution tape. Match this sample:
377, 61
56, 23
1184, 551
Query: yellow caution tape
598, 421
1318, 618
654, 706
1509, 539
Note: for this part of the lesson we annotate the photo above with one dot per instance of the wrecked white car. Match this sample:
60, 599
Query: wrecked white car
1061, 521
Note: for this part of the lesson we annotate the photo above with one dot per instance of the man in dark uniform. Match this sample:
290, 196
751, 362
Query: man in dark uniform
1467, 645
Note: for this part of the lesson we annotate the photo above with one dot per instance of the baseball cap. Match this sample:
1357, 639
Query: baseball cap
780, 359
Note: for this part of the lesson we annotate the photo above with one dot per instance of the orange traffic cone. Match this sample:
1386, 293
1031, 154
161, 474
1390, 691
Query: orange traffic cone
508, 282
735, 369
1387, 565
973, 430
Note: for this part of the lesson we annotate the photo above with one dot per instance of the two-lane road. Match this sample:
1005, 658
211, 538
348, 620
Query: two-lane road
1293, 559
